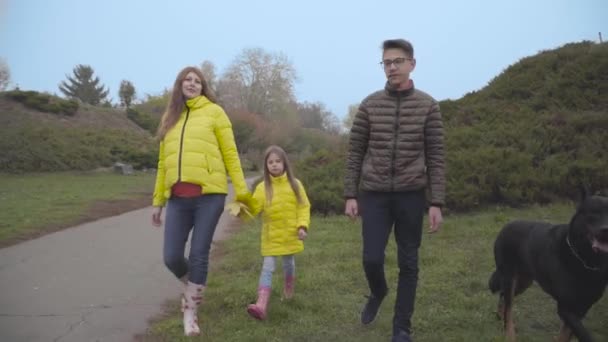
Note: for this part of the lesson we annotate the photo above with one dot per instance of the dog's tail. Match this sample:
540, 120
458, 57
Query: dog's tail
495, 282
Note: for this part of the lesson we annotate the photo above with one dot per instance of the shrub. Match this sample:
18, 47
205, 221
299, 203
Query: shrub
44, 102
322, 176
34, 148
143, 120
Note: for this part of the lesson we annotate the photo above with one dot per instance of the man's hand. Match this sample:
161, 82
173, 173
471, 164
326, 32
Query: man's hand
156, 216
351, 209
435, 219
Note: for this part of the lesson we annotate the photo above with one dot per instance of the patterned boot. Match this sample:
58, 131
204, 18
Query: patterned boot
191, 299
259, 310
184, 280
288, 287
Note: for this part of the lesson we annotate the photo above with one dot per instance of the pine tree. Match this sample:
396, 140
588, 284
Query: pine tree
83, 86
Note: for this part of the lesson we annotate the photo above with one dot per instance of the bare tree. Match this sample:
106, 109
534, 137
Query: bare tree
315, 115
208, 69
350, 117
5, 75
259, 82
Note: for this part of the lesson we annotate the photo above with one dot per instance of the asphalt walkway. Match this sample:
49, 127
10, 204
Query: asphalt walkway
99, 281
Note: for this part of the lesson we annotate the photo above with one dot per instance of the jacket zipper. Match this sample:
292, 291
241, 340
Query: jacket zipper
181, 146
394, 156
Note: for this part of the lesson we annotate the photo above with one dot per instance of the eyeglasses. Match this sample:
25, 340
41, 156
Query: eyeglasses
397, 62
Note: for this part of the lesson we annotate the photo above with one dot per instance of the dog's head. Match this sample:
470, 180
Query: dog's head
591, 221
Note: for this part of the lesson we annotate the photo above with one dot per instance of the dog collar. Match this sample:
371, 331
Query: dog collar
578, 257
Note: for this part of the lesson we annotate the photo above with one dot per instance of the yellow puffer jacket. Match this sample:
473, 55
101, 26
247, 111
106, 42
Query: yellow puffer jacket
282, 218
199, 149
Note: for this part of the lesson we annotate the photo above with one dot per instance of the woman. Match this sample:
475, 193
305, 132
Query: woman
196, 148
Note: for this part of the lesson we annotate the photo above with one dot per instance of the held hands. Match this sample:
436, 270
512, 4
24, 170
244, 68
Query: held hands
240, 210
241, 207
302, 234
435, 219
244, 198
156, 216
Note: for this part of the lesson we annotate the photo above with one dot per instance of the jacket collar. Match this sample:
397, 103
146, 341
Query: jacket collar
399, 93
197, 102
280, 179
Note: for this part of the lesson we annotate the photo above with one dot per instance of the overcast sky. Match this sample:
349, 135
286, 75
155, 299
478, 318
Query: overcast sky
334, 45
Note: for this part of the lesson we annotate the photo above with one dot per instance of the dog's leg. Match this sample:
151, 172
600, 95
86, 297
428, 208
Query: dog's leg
508, 309
495, 284
574, 323
500, 309
565, 333
523, 283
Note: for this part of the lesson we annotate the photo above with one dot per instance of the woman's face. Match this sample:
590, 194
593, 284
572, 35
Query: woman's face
191, 85
275, 166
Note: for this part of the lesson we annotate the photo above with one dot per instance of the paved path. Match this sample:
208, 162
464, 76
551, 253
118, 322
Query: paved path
100, 281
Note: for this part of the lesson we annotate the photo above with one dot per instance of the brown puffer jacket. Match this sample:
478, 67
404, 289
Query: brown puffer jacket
396, 144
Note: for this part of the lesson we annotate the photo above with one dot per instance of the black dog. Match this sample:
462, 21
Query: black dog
568, 261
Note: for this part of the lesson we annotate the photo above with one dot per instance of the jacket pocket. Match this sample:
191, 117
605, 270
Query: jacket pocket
207, 165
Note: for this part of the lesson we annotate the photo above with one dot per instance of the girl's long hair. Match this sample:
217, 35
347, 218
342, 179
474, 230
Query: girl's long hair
177, 102
287, 169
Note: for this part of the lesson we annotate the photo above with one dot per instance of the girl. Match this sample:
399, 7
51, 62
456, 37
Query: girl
196, 148
286, 217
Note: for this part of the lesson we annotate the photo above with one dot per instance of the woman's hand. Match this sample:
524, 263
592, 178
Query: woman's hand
244, 198
156, 216
302, 234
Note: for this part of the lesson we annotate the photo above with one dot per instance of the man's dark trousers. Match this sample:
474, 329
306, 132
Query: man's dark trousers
380, 212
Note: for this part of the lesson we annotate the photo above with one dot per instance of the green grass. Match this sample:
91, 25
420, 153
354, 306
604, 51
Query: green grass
453, 302
33, 204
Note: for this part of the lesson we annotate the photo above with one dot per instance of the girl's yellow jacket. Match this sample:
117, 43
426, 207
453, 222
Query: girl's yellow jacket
282, 217
199, 149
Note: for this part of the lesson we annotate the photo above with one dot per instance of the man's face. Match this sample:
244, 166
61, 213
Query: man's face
397, 67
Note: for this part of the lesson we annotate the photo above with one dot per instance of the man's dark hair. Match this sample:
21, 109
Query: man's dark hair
399, 44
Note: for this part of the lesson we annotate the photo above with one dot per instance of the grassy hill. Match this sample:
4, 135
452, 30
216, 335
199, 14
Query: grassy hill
33, 138
534, 133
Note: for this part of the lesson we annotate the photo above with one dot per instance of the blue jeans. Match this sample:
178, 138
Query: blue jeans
289, 269
381, 212
199, 215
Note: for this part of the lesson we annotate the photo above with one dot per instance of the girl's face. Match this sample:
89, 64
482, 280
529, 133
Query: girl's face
275, 165
191, 85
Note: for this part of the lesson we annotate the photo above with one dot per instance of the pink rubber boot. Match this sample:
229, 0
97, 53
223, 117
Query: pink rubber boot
260, 308
288, 289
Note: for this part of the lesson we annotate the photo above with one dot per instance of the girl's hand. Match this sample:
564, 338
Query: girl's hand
302, 234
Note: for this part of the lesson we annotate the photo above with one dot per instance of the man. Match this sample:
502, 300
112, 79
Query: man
395, 154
